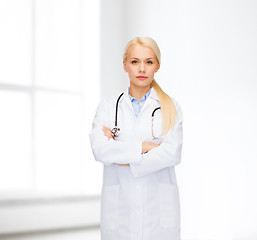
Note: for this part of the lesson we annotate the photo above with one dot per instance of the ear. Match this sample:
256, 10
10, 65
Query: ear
125, 66
157, 68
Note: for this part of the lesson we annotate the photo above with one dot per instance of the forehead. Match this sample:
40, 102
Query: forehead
139, 51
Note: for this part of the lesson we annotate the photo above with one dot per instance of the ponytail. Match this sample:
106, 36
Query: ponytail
168, 108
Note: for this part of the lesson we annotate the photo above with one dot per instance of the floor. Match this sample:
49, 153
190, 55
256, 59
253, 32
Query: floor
74, 235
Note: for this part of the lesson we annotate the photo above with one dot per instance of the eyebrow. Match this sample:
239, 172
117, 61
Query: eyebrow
138, 58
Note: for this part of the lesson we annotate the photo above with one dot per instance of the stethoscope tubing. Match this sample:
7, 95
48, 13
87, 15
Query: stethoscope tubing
116, 129
116, 113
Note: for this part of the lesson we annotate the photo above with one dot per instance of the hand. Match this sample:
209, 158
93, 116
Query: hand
107, 132
147, 146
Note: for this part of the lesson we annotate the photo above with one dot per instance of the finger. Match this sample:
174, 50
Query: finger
106, 133
106, 127
110, 133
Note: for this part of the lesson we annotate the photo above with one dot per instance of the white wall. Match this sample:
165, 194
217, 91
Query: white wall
209, 65
111, 47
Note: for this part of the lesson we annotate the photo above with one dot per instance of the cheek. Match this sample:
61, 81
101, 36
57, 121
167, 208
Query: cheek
131, 70
152, 71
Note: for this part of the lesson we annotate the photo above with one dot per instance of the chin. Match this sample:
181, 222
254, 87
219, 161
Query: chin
142, 84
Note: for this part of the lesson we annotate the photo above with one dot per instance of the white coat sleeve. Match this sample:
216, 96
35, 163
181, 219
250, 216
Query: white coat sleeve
111, 151
166, 155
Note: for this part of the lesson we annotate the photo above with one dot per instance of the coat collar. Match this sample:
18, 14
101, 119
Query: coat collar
152, 96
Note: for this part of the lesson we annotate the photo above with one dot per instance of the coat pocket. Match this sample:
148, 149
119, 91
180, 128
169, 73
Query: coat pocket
169, 206
109, 206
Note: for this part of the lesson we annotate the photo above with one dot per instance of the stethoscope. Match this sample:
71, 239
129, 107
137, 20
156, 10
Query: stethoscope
116, 130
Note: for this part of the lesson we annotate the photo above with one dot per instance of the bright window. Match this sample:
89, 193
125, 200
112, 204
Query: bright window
49, 52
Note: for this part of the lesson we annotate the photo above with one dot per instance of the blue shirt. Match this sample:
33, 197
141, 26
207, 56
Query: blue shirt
137, 107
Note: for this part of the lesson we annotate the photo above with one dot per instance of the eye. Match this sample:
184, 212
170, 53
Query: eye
150, 62
134, 61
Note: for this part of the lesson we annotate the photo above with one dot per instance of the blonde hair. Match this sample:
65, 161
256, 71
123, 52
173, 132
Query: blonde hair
168, 108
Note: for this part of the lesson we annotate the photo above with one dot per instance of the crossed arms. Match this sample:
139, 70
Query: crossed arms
143, 157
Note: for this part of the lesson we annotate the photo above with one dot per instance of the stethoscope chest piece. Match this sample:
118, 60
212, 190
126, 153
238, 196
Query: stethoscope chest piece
115, 132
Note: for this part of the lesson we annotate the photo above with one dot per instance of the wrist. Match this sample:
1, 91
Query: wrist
145, 147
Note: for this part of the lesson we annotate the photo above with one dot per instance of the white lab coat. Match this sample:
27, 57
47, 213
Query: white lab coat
140, 201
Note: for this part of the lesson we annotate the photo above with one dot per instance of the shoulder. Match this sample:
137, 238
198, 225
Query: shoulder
108, 101
176, 103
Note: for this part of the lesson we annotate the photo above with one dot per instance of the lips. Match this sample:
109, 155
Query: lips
141, 77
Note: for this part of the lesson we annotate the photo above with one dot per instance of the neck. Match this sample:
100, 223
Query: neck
138, 92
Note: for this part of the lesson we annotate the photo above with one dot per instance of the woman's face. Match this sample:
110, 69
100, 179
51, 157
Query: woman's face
141, 62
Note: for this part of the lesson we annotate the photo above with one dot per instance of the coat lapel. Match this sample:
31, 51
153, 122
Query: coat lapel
126, 98
152, 97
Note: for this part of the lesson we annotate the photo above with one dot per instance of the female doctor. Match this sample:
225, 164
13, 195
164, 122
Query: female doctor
137, 135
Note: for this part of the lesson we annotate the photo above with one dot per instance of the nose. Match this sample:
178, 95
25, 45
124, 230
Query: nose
142, 67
